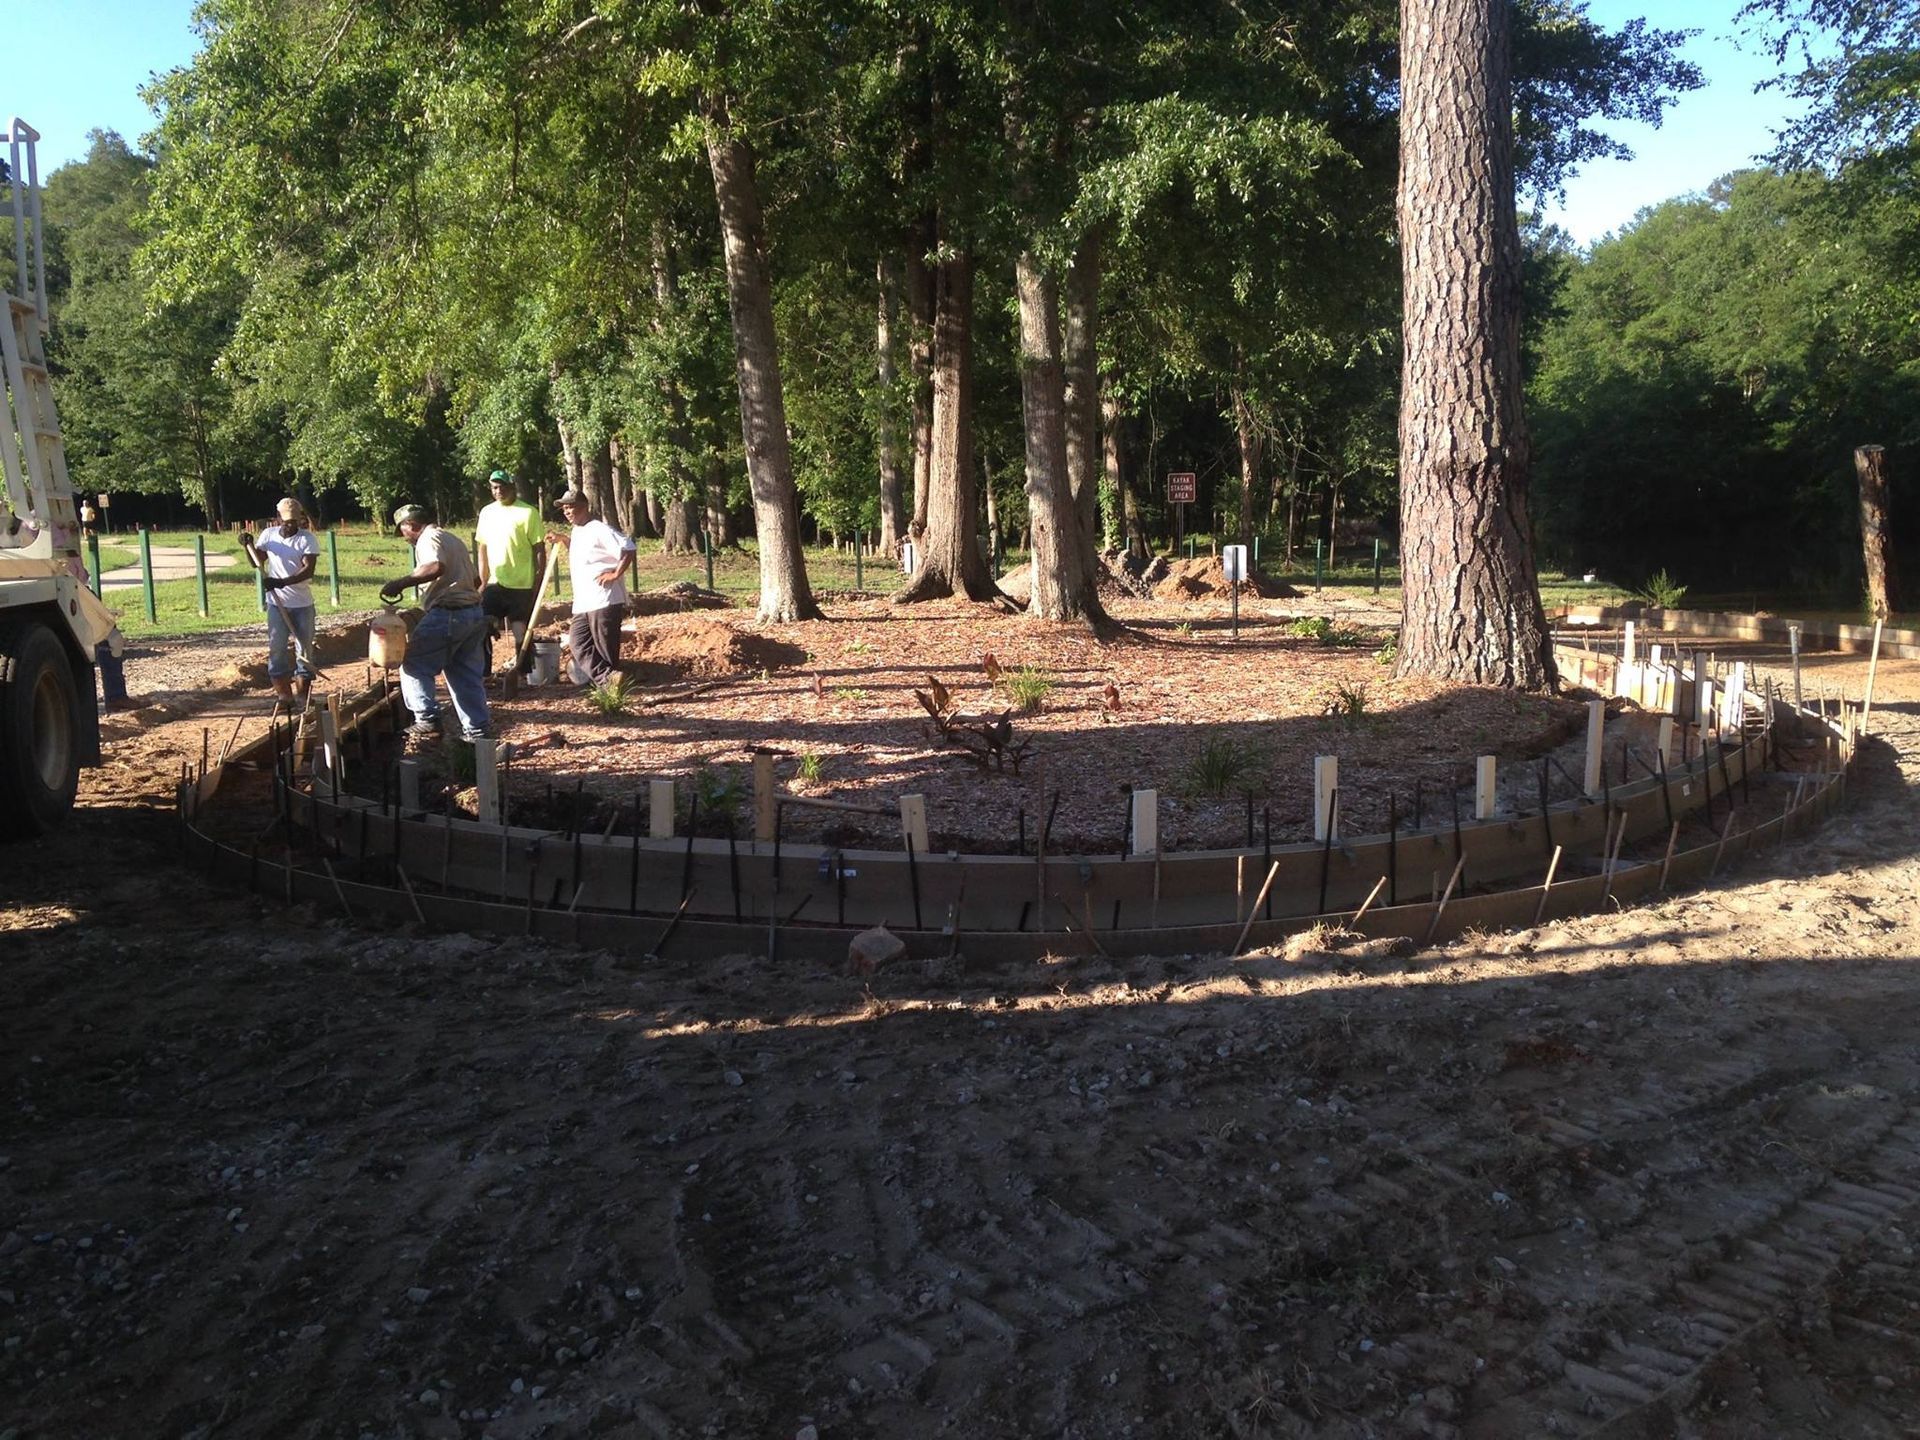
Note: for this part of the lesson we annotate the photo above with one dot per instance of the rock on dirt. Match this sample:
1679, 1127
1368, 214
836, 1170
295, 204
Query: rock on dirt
871, 949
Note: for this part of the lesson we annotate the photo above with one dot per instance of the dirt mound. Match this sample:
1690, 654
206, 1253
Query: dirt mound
341, 645
677, 599
713, 648
1017, 584
1204, 579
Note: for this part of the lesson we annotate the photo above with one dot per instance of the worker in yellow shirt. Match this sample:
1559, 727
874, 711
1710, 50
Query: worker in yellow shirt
512, 555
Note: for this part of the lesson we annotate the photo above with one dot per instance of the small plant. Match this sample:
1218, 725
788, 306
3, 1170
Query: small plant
1389, 653
1220, 766
1660, 591
463, 768
811, 768
1184, 629
718, 793
849, 692
611, 698
1349, 702
858, 647
1028, 688
1311, 627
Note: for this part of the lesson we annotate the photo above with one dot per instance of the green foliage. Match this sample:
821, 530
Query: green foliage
1028, 688
1349, 702
1660, 590
811, 767
1311, 627
611, 698
1388, 653
1222, 764
719, 791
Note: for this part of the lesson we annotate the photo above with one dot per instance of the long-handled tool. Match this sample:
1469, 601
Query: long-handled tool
539, 598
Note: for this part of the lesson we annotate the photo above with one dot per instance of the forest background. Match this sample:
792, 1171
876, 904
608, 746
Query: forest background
375, 251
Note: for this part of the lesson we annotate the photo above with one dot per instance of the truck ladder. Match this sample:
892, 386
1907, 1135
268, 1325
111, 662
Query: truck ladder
39, 490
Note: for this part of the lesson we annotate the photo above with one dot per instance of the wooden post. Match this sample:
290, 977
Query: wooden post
1873, 664
660, 807
1596, 739
1326, 779
1546, 887
1703, 705
1665, 741
328, 764
409, 773
1628, 654
1485, 770
1653, 656
486, 780
913, 822
1883, 583
763, 801
1146, 822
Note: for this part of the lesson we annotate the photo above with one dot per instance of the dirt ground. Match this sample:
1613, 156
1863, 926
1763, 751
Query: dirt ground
265, 1173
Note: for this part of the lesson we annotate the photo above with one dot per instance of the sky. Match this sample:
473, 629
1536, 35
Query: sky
83, 62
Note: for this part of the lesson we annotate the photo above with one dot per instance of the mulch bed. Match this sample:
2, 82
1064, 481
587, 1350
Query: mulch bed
1206, 720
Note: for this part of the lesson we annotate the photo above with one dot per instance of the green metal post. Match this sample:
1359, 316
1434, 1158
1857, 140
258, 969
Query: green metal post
333, 565
200, 570
93, 549
1376, 564
1318, 556
260, 587
859, 570
146, 569
706, 545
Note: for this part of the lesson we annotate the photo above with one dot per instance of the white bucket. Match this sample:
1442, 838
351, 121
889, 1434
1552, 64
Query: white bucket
546, 663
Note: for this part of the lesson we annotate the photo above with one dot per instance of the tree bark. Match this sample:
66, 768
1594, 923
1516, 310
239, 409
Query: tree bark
1883, 582
784, 591
596, 479
1471, 598
680, 531
1132, 533
1253, 447
720, 528
920, 307
950, 551
892, 515
1080, 352
1063, 585
656, 518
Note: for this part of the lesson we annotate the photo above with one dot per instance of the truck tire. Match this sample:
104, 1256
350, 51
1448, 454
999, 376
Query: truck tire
39, 730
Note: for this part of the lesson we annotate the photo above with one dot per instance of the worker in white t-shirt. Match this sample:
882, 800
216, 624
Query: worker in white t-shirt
598, 558
286, 555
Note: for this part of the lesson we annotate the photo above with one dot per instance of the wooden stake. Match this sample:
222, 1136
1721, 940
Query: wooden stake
1873, 664
1721, 844
1553, 864
1372, 895
1596, 739
1146, 822
763, 800
913, 823
1485, 770
1258, 900
660, 809
1446, 895
1326, 777
486, 780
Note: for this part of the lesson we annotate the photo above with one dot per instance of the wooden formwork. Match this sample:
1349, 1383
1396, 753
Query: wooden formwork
634, 892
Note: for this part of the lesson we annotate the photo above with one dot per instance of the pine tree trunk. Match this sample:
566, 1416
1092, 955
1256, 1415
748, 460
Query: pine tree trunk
1062, 570
1883, 581
679, 446
1471, 609
720, 528
784, 591
656, 518
920, 303
950, 552
892, 515
1080, 352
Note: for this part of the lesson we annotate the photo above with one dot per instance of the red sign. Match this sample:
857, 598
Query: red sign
1183, 487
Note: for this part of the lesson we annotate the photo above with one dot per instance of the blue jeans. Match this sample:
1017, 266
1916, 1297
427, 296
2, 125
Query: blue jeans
454, 642
284, 628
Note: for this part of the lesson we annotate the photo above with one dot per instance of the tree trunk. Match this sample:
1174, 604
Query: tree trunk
1253, 447
1063, 587
1471, 609
993, 510
656, 518
950, 552
892, 515
1132, 533
920, 305
626, 518
679, 446
680, 531
1080, 353
1883, 582
596, 479
720, 527
784, 591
